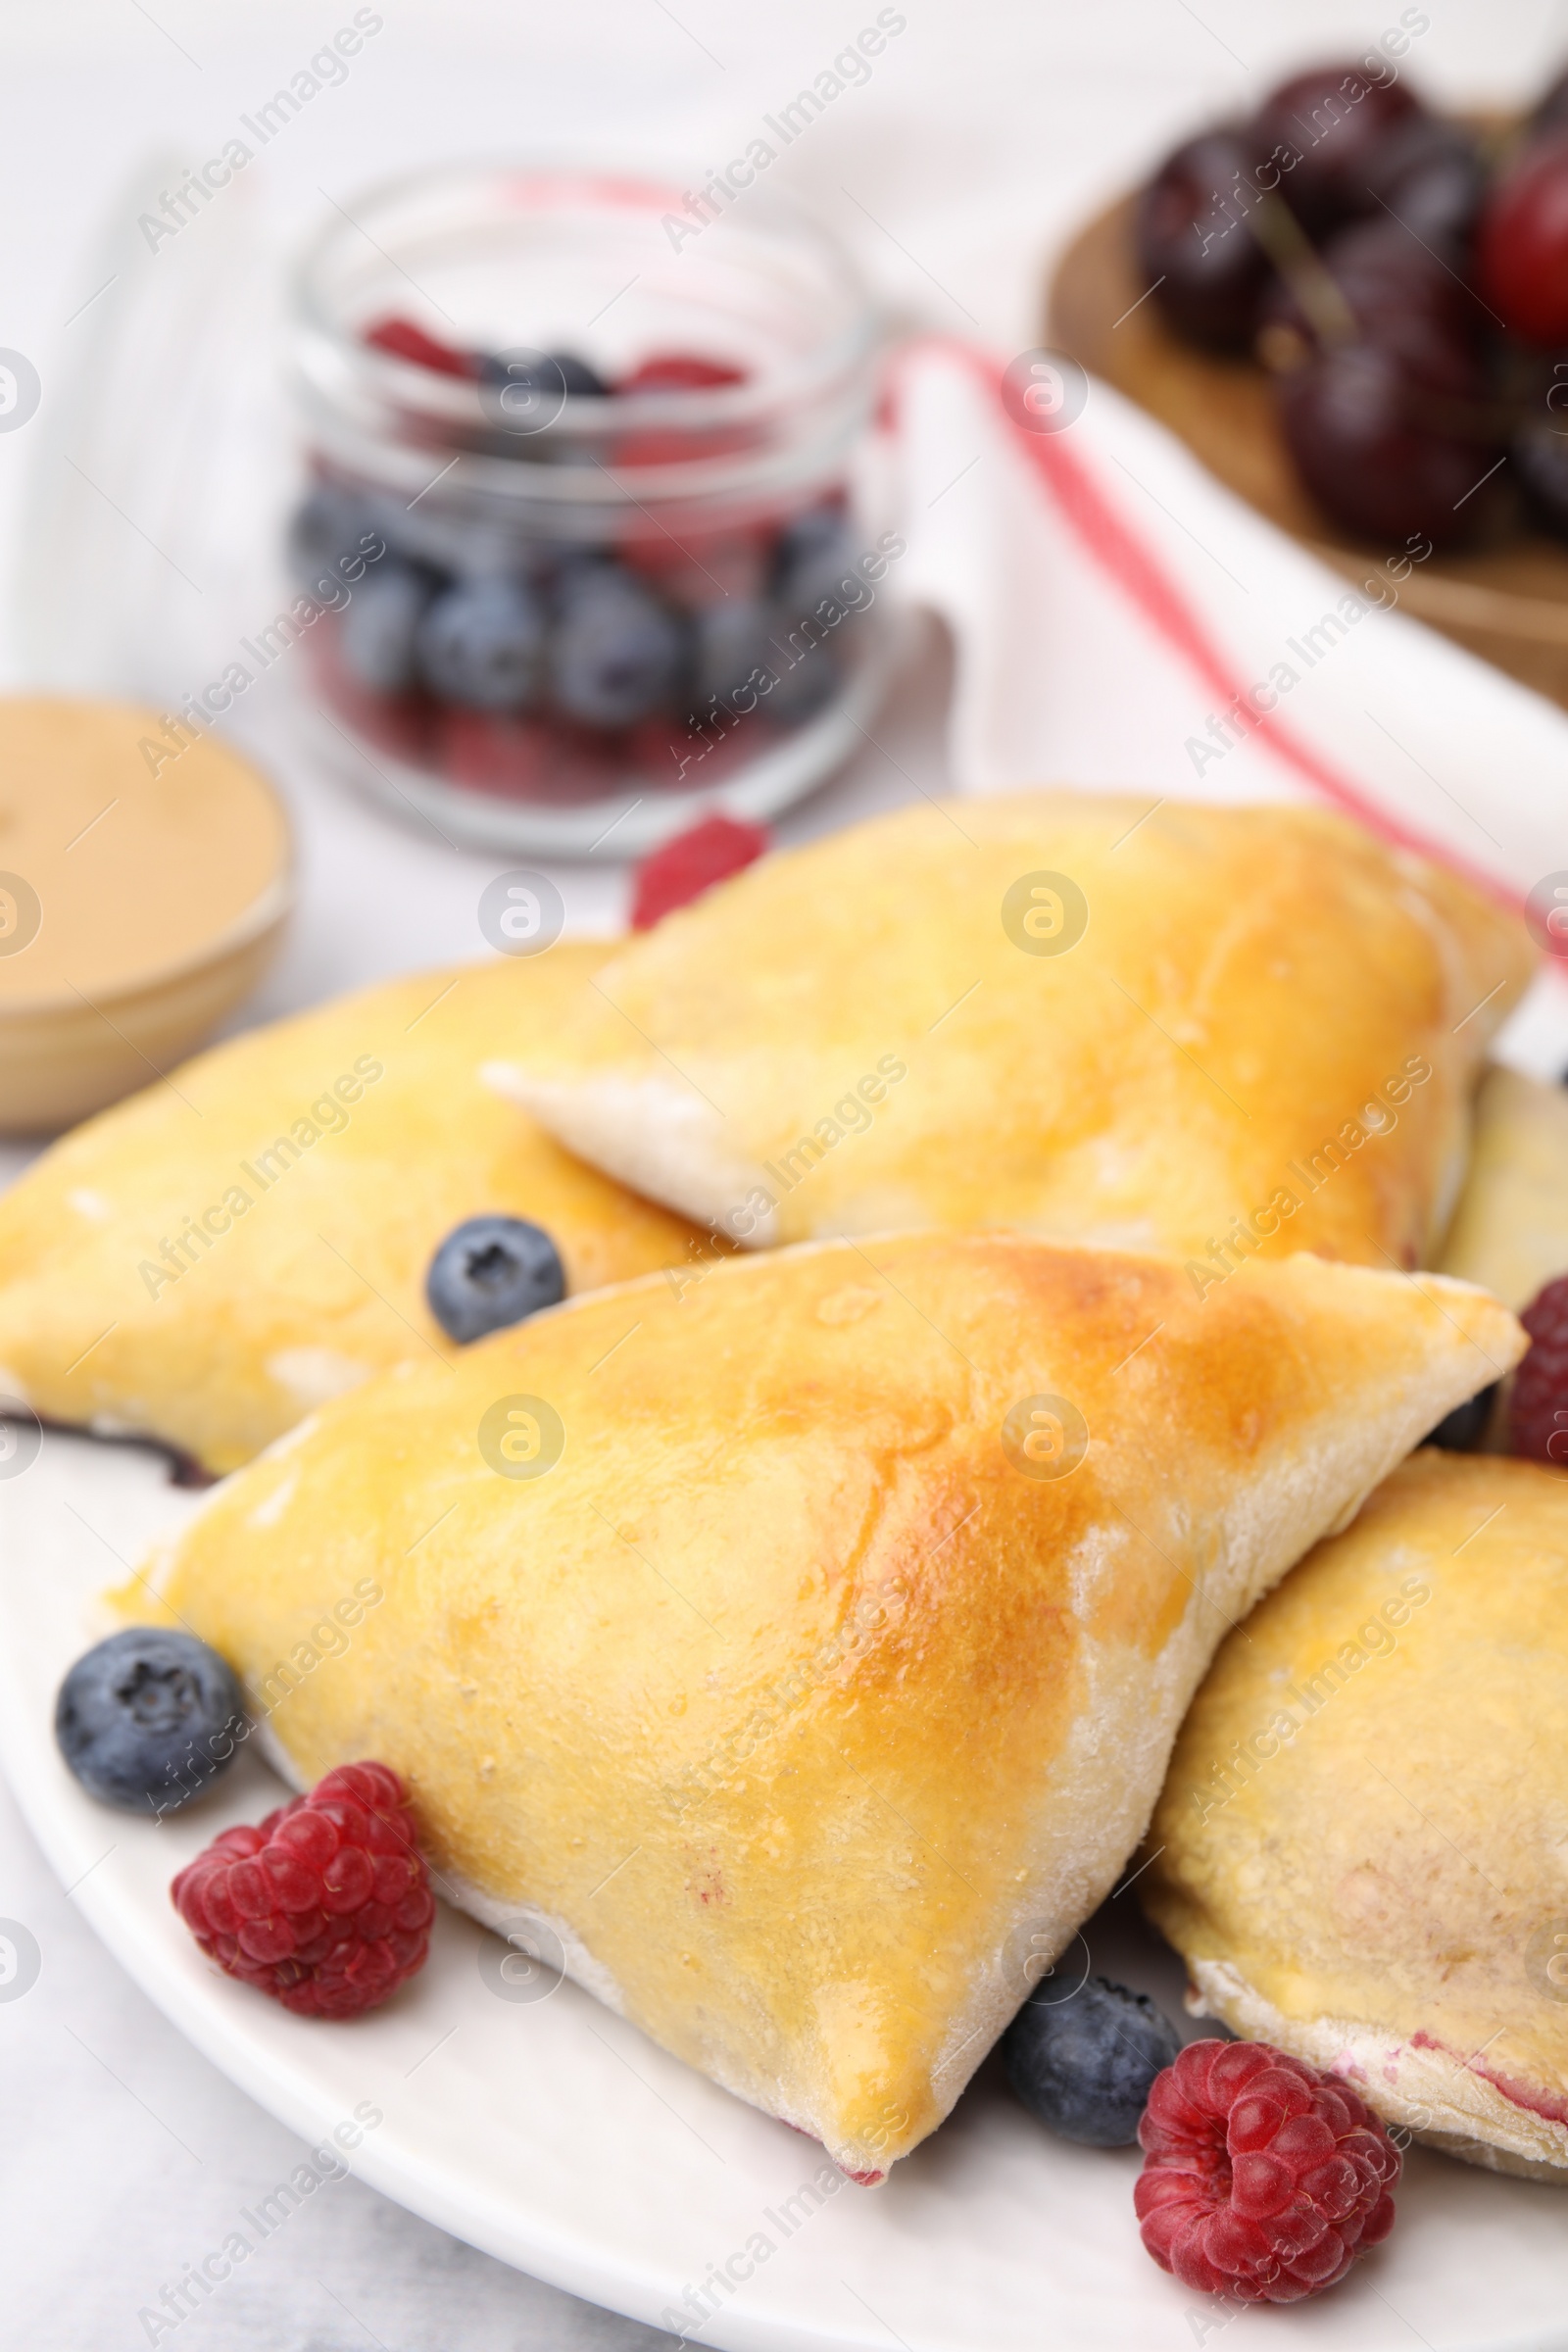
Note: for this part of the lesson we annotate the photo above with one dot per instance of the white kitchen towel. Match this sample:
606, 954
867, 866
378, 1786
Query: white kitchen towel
1120, 617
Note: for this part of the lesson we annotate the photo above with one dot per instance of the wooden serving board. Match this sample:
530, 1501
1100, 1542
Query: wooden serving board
1508, 602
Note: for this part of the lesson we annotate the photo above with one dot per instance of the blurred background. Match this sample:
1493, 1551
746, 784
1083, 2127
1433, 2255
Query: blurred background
984, 132
140, 507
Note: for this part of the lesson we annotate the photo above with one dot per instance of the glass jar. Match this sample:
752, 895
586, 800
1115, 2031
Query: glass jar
594, 504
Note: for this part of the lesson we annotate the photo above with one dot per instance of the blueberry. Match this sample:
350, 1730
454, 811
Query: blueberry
806, 676
730, 640
329, 524
492, 1272
618, 654
569, 567
482, 643
148, 1719
1431, 175
1462, 1430
1084, 2065
813, 556
524, 391
813, 531
382, 624
551, 371
582, 383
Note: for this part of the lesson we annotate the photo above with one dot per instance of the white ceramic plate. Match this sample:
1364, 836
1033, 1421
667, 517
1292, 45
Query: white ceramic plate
553, 2135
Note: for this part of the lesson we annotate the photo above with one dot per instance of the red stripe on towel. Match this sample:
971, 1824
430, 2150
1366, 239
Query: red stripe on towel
1128, 560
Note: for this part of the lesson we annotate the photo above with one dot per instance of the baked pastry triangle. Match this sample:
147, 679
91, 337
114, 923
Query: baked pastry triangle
1363, 1845
206, 1262
802, 1654
1200, 1030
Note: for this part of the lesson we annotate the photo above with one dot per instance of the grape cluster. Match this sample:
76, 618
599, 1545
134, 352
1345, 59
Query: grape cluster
1405, 280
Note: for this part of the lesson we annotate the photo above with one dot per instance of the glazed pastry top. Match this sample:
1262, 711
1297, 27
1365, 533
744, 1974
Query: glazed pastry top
807, 1647
1200, 1030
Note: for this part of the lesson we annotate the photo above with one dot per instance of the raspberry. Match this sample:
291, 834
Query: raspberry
1538, 1409
1263, 2179
684, 868
326, 1905
407, 341
680, 372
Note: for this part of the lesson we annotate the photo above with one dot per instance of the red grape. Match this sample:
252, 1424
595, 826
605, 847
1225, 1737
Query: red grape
1380, 437
1396, 290
1522, 245
1330, 120
1430, 175
1195, 241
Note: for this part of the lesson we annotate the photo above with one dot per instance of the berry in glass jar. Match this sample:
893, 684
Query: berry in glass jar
482, 643
547, 376
812, 559
545, 761
617, 651
806, 676
731, 645
680, 372
694, 572
396, 724
379, 630
332, 525
612, 598
404, 340
495, 752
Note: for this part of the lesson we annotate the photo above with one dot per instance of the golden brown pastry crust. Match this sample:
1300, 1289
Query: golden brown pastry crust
1264, 1038
1361, 1848
796, 1706
301, 1174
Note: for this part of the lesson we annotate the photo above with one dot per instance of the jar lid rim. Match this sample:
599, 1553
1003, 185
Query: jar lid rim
410, 387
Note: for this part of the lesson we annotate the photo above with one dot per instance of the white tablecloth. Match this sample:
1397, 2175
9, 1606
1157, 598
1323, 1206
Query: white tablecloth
984, 130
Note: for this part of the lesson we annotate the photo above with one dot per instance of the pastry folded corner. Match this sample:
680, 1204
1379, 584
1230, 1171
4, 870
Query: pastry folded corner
1196, 1030
805, 1648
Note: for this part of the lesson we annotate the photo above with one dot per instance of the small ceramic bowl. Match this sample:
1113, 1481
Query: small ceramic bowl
145, 879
